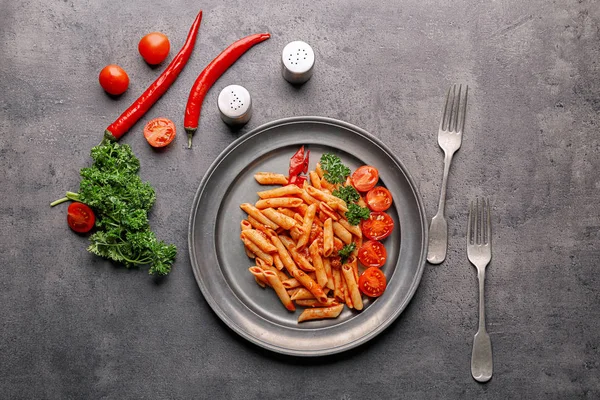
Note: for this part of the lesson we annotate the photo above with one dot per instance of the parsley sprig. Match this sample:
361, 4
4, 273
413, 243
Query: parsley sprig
347, 193
335, 170
346, 251
355, 213
121, 201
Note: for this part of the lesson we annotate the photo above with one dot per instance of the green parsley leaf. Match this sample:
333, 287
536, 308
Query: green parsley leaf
345, 251
355, 213
121, 201
347, 193
335, 170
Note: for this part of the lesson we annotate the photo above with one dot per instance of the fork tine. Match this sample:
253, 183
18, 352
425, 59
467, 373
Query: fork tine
489, 224
470, 223
455, 106
476, 239
445, 113
463, 111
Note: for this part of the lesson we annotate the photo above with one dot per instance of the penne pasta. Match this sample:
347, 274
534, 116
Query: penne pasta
266, 257
270, 178
306, 226
278, 202
259, 276
316, 303
288, 190
302, 293
352, 286
320, 313
315, 180
328, 243
328, 271
258, 215
275, 283
280, 219
311, 285
341, 232
317, 262
260, 240
353, 229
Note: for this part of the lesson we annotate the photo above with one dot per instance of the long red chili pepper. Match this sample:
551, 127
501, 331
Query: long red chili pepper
209, 76
156, 89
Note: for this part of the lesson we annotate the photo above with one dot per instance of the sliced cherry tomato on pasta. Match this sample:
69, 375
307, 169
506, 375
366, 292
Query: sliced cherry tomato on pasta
372, 254
372, 282
365, 178
159, 132
379, 199
378, 226
80, 217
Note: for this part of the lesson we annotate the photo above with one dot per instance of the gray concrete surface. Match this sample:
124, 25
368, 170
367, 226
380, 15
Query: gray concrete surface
73, 326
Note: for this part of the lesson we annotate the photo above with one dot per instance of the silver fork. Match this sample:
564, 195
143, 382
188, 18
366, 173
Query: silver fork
479, 252
449, 139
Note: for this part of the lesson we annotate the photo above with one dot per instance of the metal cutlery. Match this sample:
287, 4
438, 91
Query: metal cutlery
479, 252
449, 139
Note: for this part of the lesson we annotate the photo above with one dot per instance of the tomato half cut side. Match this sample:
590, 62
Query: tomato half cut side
372, 282
365, 178
80, 217
159, 132
379, 199
372, 254
379, 226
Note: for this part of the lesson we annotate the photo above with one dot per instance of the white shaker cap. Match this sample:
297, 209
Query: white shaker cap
235, 105
298, 60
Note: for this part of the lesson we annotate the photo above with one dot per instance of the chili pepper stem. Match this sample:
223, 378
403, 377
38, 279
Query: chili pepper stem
190, 134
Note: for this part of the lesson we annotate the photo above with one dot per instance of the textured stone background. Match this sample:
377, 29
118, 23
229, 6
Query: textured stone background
74, 326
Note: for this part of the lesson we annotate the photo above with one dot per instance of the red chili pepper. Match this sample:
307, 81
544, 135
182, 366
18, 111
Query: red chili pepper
297, 180
297, 162
156, 89
209, 76
305, 162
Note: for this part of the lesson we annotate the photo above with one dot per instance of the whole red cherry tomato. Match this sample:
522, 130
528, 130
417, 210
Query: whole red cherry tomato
113, 79
80, 217
154, 47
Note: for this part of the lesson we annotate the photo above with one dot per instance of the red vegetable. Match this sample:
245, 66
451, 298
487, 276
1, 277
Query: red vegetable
80, 217
159, 132
209, 76
372, 254
297, 162
378, 226
114, 79
372, 282
154, 48
364, 178
156, 89
379, 199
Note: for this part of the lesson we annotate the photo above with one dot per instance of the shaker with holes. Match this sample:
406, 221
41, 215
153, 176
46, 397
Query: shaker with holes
235, 105
298, 60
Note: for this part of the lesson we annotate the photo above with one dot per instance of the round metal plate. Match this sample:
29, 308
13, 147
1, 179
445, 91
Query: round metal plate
220, 264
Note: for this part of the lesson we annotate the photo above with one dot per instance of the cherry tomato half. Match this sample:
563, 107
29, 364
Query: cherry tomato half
372, 282
159, 132
378, 226
365, 178
80, 217
114, 79
372, 254
379, 199
154, 47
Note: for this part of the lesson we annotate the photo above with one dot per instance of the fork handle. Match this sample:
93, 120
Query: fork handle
438, 229
481, 357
